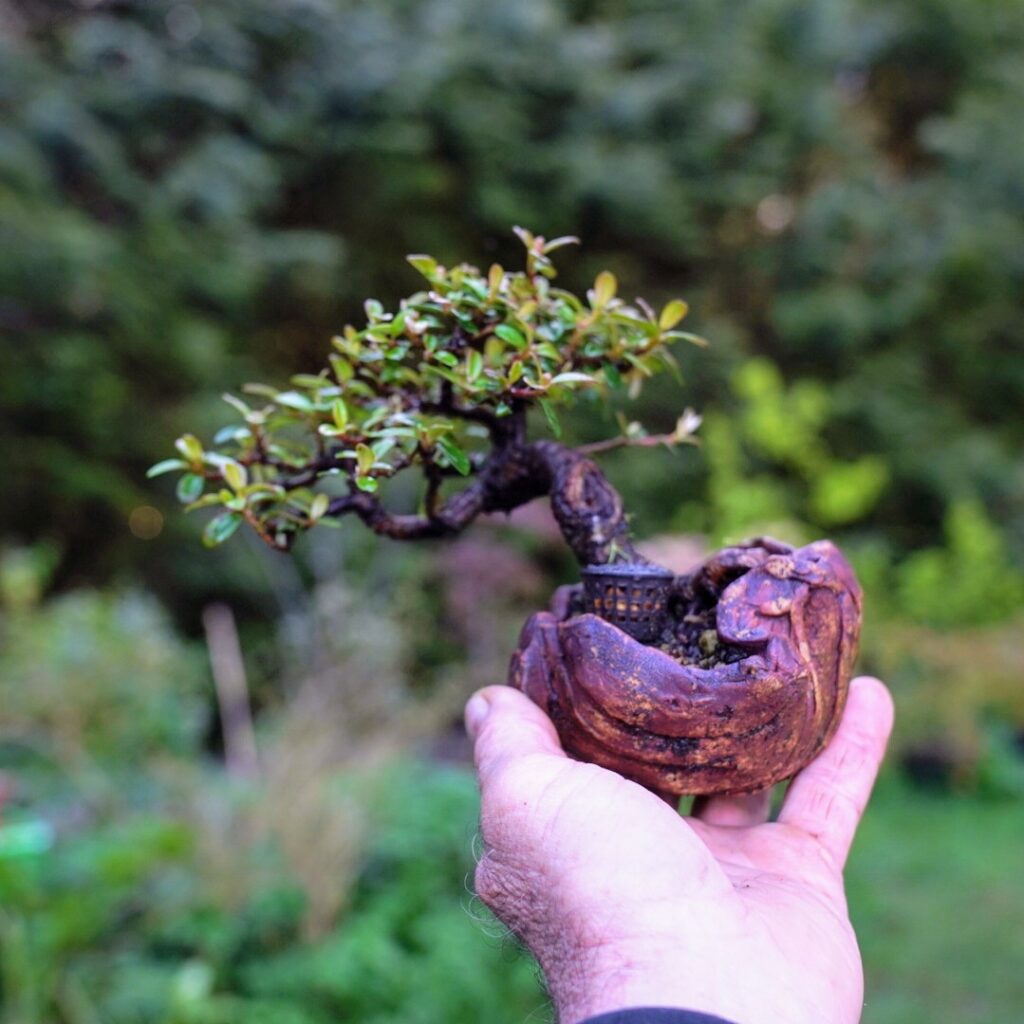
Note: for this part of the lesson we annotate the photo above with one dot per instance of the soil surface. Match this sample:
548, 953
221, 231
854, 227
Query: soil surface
690, 635
692, 639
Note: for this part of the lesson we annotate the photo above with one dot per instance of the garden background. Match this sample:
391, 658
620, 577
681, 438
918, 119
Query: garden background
193, 195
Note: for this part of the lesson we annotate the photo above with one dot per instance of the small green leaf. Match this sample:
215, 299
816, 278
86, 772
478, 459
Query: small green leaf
220, 528
494, 349
693, 339
189, 488
612, 375
605, 288
524, 236
426, 265
204, 502
494, 278
448, 358
557, 243
234, 474
364, 459
453, 378
237, 403
166, 466
644, 365
474, 364
273, 491
455, 455
366, 483
392, 432
260, 389
644, 327
293, 400
232, 432
572, 378
309, 381
509, 334
432, 431
339, 411
319, 507
671, 363
190, 447
672, 314
342, 368
552, 418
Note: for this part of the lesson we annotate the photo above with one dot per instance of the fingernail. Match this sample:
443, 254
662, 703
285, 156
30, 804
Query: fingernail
477, 709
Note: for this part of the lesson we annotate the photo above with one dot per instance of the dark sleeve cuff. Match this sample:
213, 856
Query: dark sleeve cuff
654, 1015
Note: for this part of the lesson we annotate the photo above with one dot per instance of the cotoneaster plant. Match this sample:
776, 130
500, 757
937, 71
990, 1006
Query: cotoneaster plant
443, 385
723, 680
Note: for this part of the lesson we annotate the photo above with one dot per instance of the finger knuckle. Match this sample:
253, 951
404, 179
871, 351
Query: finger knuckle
858, 756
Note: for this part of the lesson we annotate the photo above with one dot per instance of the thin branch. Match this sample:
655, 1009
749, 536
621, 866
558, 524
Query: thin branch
312, 471
253, 520
448, 406
432, 471
452, 517
648, 441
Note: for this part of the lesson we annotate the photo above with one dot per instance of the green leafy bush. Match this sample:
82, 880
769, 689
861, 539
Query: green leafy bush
117, 925
970, 581
193, 198
95, 683
770, 468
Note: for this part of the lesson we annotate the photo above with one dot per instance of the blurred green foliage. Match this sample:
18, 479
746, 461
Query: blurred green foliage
119, 926
193, 196
331, 886
91, 684
189, 194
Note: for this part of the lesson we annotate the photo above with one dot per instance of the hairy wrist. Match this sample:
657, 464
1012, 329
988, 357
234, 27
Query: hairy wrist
585, 982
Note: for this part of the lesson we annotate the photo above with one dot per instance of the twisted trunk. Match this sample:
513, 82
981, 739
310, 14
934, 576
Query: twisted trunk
587, 508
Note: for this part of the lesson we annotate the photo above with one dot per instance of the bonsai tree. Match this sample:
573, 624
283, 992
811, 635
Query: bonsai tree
444, 386
722, 680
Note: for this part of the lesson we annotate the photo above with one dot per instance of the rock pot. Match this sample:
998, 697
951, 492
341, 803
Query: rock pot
745, 684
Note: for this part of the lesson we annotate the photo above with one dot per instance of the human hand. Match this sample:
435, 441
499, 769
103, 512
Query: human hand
626, 903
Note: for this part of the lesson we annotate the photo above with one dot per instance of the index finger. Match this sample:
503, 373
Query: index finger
827, 799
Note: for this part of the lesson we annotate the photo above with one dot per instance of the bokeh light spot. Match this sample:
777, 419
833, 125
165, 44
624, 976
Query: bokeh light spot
146, 522
775, 213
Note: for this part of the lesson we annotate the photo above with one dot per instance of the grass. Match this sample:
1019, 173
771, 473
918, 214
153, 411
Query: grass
936, 891
935, 885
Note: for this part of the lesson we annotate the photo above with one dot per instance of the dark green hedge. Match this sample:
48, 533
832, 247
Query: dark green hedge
190, 194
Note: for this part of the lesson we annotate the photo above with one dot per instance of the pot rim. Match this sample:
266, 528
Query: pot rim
628, 570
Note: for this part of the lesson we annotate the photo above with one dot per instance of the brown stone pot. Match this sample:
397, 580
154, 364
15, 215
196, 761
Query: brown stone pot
787, 624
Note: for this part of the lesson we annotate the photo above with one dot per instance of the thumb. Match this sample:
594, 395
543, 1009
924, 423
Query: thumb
505, 725
826, 800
